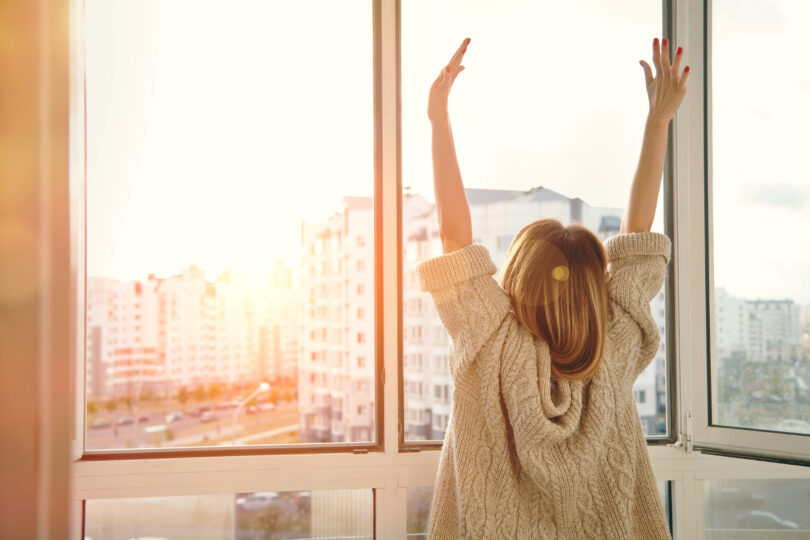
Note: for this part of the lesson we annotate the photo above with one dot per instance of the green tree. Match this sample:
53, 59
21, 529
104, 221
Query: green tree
274, 395
92, 407
214, 390
110, 405
126, 401
149, 395
182, 395
199, 393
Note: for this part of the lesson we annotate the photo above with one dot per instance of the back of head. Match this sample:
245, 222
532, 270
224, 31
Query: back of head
555, 276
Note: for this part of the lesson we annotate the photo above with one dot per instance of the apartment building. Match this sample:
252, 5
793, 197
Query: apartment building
755, 329
336, 345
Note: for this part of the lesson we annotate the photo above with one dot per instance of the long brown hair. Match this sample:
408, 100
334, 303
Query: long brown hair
556, 278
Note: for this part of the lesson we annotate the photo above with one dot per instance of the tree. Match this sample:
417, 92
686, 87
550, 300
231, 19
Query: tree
92, 407
126, 401
199, 393
182, 395
149, 395
214, 390
274, 395
110, 405
287, 395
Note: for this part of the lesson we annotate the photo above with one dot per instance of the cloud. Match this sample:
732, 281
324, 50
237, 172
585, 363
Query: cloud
775, 194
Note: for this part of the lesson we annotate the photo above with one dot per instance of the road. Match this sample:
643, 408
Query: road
190, 431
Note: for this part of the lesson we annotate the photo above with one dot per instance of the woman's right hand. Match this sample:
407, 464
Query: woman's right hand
667, 89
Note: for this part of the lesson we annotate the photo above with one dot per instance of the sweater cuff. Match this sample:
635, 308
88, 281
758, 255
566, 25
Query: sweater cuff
455, 267
638, 243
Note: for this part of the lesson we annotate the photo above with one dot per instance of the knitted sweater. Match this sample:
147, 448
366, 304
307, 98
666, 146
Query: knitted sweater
529, 456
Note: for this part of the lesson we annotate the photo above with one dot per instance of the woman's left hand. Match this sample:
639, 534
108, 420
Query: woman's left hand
440, 90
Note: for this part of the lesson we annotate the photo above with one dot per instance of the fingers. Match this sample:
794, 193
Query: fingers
455, 74
682, 80
648, 76
656, 57
665, 65
676, 65
455, 61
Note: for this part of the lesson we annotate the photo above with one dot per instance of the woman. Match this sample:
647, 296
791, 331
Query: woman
544, 439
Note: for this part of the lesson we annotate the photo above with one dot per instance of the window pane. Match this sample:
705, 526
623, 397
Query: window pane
419, 500
223, 250
243, 516
534, 140
760, 326
761, 509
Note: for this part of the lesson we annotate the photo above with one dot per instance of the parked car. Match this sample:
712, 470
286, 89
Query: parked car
99, 423
264, 407
208, 416
226, 405
252, 409
124, 420
197, 411
256, 501
173, 417
143, 417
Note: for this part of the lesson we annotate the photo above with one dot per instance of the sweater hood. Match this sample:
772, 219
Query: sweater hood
567, 424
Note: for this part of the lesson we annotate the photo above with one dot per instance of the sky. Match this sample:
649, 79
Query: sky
212, 133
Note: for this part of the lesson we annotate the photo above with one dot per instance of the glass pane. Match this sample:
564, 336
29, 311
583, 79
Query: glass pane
760, 316
762, 509
419, 500
211, 267
266, 515
534, 140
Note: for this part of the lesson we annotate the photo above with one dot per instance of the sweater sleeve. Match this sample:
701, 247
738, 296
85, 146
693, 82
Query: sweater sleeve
637, 265
470, 303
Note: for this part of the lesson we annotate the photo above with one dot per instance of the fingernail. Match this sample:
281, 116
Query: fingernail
686, 68
655, 41
665, 41
679, 51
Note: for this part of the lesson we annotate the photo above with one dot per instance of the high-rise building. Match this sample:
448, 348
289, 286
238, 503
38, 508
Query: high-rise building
135, 367
755, 330
336, 345
278, 332
101, 311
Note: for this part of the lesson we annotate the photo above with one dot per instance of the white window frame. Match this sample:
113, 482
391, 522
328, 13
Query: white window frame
391, 472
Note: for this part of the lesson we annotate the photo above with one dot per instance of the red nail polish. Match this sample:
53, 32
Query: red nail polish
686, 69
655, 41
665, 41
679, 51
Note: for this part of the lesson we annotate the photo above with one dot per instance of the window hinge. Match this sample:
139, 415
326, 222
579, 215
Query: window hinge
685, 439
360, 451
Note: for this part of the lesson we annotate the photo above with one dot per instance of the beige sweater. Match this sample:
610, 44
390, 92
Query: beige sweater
528, 456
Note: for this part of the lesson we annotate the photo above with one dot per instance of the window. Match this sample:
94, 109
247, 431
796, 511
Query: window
524, 162
223, 322
756, 395
191, 119
241, 515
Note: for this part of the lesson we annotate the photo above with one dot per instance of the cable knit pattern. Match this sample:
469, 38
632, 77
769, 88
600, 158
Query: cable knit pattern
530, 457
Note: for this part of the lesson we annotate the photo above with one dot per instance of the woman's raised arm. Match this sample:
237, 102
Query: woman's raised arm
665, 91
455, 225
